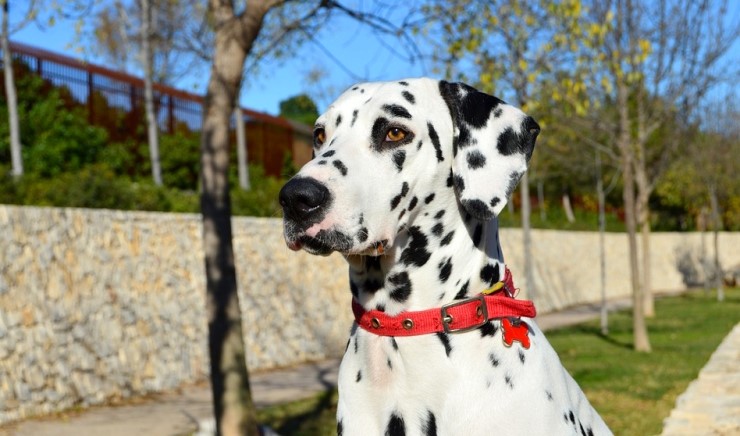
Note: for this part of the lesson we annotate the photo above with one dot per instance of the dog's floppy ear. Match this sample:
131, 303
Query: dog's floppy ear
492, 144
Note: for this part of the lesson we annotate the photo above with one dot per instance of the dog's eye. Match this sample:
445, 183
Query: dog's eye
395, 134
319, 136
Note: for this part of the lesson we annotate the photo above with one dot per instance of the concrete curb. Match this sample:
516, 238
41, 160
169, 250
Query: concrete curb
711, 403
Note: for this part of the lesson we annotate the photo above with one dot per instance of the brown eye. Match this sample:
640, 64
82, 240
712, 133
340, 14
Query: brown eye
395, 134
319, 136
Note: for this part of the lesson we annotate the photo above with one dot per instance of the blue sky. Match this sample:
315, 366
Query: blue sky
358, 49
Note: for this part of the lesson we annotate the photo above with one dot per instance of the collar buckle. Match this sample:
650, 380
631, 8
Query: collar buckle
481, 311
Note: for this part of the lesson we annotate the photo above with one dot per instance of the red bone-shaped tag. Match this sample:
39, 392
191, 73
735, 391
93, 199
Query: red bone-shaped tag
515, 330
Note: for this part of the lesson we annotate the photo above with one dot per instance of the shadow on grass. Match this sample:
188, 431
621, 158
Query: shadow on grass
608, 338
312, 416
316, 419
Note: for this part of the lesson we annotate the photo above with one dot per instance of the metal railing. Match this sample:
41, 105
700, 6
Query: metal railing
115, 101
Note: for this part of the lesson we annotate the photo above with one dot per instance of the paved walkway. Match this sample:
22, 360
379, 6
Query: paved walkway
711, 403
176, 414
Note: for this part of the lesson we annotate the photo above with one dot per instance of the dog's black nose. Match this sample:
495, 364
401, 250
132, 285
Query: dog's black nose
304, 199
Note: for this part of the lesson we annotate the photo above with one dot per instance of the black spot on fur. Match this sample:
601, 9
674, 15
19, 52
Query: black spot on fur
396, 426
438, 229
403, 83
463, 140
509, 142
476, 160
399, 156
435, 141
476, 107
362, 234
397, 111
447, 239
340, 428
478, 209
488, 329
397, 199
572, 417
390, 365
394, 343
430, 425
497, 112
477, 234
329, 153
450, 179
418, 146
380, 128
412, 203
444, 338
507, 379
522, 357
380, 307
463, 292
400, 215
402, 286
583, 431
460, 186
357, 345
339, 121
409, 97
445, 269
549, 395
371, 286
354, 117
494, 201
490, 274
322, 162
359, 376
340, 166
416, 252
590, 432
429, 198
493, 359
439, 214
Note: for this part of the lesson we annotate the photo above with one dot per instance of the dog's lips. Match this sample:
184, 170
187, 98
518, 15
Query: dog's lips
294, 245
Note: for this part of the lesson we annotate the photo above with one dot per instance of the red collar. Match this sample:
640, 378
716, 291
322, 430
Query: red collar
456, 317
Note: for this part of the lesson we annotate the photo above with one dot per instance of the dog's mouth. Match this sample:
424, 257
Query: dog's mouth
327, 241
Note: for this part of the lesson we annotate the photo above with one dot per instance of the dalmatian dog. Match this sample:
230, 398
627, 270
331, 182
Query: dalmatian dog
406, 183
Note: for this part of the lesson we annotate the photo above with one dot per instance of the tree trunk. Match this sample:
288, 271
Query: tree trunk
527, 237
568, 209
10, 95
639, 327
151, 116
646, 279
541, 200
716, 226
602, 246
232, 400
241, 149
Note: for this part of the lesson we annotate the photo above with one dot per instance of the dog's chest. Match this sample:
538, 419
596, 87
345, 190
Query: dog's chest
421, 373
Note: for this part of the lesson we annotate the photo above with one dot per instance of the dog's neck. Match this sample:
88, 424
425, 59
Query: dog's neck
433, 261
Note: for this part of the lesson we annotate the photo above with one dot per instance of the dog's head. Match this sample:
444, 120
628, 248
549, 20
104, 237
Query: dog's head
387, 153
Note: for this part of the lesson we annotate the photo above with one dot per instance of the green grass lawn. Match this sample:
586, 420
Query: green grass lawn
632, 391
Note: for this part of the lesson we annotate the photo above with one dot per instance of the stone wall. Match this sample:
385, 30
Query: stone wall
98, 304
